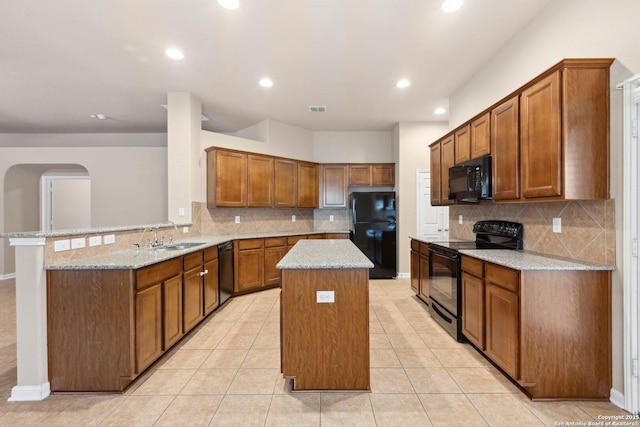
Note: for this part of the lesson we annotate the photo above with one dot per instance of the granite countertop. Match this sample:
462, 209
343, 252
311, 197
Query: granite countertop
324, 254
132, 259
524, 260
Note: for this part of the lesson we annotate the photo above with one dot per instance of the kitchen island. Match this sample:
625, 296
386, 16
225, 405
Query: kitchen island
324, 316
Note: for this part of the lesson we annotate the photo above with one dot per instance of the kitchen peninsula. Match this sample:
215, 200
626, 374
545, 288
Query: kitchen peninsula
324, 316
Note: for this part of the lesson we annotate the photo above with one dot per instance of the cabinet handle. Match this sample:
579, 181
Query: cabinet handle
202, 273
446, 229
439, 229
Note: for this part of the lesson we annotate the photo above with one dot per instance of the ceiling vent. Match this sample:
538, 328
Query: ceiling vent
317, 108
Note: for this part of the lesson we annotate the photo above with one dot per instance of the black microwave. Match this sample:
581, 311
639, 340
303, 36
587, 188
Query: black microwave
471, 181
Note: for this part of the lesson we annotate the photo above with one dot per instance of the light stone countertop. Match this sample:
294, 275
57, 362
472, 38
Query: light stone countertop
528, 261
131, 259
324, 254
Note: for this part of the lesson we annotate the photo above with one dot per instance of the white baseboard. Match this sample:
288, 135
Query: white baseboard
24, 393
404, 275
7, 276
617, 398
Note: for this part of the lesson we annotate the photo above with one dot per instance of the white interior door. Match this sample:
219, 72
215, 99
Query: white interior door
433, 221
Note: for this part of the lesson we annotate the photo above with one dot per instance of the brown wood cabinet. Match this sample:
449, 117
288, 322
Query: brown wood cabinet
210, 279
172, 311
333, 182
462, 144
415, 266
248, 265
274, 249
549, 330
260, 181
441, 159
420, 269
336, 235
148, 326
292, 240
307, 185
360, 175
505, 143
193, 290
226, 178
286, 183
480, 136
383, 175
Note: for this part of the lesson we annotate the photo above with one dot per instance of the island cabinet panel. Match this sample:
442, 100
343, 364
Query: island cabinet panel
260, 181
91, 330
286, 183
325, 346
505, 149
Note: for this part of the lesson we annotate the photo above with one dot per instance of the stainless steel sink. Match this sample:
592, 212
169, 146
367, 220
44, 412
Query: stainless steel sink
177, 246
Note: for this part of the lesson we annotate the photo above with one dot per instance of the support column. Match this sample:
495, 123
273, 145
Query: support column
31, 320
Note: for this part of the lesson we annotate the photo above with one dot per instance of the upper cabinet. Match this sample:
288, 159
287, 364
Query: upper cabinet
375, 174
286, 183
442, 158
226, 178
505, 146
480, 141
307, 185
333, 186
359, 175
260, 180
462, 144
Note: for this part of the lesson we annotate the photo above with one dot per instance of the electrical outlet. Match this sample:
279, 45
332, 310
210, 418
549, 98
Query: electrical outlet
293, 218
180, 211
237, 219
109, 239
61, 245
95, 240
78, 243
185, 230
460, 219
324, 297
557, 225
331, 218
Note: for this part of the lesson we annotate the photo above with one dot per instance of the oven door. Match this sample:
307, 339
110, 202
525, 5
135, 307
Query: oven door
443, 279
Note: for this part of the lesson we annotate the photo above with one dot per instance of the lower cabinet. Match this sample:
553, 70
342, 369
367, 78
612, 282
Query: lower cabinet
473, 309
248, 264
502, 328
193, 290
210, 278
274, 249
415, 266
420, 269
148, 326
172, 311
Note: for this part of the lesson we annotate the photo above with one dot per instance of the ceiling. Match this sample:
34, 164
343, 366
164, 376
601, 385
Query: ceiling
65, 60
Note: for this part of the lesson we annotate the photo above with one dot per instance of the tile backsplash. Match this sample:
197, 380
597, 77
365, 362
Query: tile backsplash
588, 227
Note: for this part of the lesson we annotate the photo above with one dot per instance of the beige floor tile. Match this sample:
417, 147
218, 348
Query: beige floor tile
204, 341
432, 380
390, 380
384, 358
239, 410
553, 413
262, 358
439, 339
165, 382
294, 409
398, 409
503, 410
186, 359
33, 413
247, 327
138, 411
379, 341
254, 381
402, 326
417, 358
346, 409
192, 411
405, 340
209, 381
375, 327
267, 340
86, 410
459, 357
478, 380
219, 359
600, 408
451, 410
237, 341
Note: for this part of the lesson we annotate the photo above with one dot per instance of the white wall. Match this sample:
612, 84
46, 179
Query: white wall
352, 147
567, 29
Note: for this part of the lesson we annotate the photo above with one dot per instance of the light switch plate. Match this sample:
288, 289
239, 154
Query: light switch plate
180, 211
557, 225
61, 245
293, 218
460, 219
185, 230
325, 297
331, 218
109, 239
95, 240
237, 219
78, 243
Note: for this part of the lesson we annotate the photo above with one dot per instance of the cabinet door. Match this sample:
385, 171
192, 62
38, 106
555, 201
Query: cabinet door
447, 162
148, 326
307, 185
436, 174
501, 311
192, 297
210, 286
505, 141
480, 140
230, 179
250, 268
462, 144
383, 175
172, 311
272, 256
334, 186
473, 309
415, 272
260, 181
359, 175
424, 278
286, 183
540, 139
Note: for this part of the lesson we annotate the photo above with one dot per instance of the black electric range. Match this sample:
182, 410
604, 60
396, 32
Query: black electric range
445, 285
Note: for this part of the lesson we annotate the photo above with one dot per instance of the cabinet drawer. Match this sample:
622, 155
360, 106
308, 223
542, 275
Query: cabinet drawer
250, 244
316, 236
337, 235
210, 253
415, 245
271, 242
472, 266
158, 272
424, 249
503, 277
192, 260
292, 240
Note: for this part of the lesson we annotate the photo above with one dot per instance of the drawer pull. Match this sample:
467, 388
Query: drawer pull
202, 273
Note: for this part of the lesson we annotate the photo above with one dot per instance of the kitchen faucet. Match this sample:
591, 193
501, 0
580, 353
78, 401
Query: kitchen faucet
155, 242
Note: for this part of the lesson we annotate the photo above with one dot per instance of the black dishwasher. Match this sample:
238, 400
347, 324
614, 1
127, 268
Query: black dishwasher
225, 271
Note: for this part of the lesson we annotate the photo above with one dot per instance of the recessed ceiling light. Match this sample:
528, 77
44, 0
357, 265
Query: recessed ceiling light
403, 83
229, 4
98, 116
451, 5
266, 82
439, 111
174, 53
